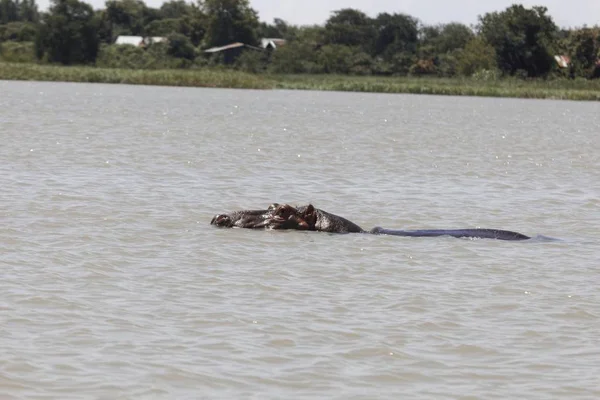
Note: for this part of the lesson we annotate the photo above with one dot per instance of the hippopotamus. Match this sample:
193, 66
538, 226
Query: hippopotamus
309, 218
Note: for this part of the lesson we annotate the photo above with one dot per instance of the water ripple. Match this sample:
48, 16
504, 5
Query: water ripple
114, 285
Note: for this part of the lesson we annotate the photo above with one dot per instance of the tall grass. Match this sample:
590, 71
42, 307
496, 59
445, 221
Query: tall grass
17, 52
196, 78
567, 89
578, 89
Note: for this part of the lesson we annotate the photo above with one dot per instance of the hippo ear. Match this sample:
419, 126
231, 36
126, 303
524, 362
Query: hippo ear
273, 207
309, 209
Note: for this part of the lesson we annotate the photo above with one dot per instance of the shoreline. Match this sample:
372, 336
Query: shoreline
558, 89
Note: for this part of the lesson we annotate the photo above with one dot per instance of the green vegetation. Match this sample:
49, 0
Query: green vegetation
478, 85
68, 34
484, 84
508, 53
21, 52
229, 21
167, 77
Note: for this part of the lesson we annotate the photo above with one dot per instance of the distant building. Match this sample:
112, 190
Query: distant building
271, 43
139, 41
148, 40
562, 61
231, 51
227, 47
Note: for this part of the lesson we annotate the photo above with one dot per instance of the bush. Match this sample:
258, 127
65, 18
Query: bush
253, 61
446, 64
584, 49
422, 67
132, 57
401, 62
18, 31
477, 55
486, 75
335, 59
381, 67
123, 56
293, 58
162, 27
180, 46
68, 33
361, 63
20, 52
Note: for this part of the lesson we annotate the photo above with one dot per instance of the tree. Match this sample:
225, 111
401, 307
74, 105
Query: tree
21, 52
253, 61
312, 34
9, 11
18, 11
440, 45
428, 38
193, 25
279, 29
453, 36
522, 38
335, 58
476, 56
295, 57
349, 27
129, 17
180, 46
396, 33
68, 33
125, 16
175, 9
28, 11
229, 21
163, 27
105, 30
584, 49
18, 32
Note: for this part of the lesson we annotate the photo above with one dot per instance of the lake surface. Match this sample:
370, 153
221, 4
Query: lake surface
114, 285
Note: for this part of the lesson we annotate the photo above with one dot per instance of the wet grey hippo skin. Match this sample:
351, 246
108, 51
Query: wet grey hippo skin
284, 216
274, 217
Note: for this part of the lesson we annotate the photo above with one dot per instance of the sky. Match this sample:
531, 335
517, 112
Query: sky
566, 13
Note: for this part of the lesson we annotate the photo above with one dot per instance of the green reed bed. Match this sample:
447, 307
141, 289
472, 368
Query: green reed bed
551, 89
566, 89
194, 78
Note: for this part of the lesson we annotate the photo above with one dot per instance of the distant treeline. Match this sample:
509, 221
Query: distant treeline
518, 41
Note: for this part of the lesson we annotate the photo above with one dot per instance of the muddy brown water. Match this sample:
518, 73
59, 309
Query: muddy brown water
114, 285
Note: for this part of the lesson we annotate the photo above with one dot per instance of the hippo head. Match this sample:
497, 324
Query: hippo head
253, 219
276, 216
308, 214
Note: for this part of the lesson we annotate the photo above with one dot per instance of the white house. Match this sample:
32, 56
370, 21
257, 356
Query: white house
139, 41
131, 40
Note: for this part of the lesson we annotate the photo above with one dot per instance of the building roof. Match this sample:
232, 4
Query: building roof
271, 42
226, 47
132, 40
148, 40
562, 61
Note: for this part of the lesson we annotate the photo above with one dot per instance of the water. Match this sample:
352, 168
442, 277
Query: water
114, 285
